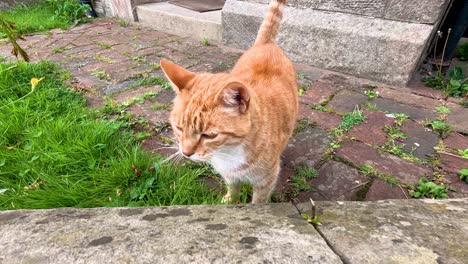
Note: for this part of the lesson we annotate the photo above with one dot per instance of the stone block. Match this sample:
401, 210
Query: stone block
270, 233
416, 113
371, 131
180, 21
306, 148
346, 101
381, 190
338, 181
368, 47
396, 231
458, 118
422, 11
421, 141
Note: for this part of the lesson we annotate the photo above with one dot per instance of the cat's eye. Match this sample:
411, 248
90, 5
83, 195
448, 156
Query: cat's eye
179, 128
208, 136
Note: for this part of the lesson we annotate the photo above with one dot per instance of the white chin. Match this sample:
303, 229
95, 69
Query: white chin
197, 158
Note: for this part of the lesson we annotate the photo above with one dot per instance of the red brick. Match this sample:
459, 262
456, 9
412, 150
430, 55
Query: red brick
381, 190
371, 131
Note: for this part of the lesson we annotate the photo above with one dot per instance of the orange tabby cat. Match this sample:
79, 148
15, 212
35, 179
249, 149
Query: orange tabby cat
239, 122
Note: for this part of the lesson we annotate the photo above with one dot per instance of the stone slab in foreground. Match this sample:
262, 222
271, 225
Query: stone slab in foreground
396, 231
192, 234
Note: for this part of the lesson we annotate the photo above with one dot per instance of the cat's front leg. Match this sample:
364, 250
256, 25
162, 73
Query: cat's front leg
264, 186
233, 193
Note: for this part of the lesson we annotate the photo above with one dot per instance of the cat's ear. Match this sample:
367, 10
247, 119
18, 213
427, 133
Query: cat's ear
235, 96
178, 76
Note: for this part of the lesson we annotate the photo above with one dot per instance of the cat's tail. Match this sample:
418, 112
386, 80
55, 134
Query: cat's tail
270, 25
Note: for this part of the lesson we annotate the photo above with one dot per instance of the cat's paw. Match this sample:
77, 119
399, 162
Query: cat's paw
228, 199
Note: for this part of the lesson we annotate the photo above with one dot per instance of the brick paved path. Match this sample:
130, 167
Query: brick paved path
370, 162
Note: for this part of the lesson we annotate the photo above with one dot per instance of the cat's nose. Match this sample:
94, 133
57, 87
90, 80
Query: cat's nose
188, 153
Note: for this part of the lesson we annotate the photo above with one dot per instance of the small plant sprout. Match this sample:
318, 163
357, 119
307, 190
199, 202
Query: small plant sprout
101, 75
464, 175
371, 94
123, 22
352, 119
442, 109
463, 153
441, 127
205, 42
428, 189
370, 106
313, 218
300, 90
301, 75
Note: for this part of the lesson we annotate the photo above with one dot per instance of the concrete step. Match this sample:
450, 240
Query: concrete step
374, 48
181, 21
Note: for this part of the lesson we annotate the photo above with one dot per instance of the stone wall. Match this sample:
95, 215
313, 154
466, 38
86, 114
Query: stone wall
125, 9
383, 40
425, 11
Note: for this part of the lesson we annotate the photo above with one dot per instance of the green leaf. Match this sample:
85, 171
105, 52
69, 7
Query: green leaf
35, 157
455, 83
2, 162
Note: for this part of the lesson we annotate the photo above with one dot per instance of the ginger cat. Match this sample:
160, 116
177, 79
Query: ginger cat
239, 122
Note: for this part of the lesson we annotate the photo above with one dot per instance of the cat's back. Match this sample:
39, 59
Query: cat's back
265, 68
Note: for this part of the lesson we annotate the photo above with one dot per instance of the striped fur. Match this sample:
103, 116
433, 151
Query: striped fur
269, 28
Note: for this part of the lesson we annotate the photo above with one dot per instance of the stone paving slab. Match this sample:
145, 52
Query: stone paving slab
392, 231
184, 234
107, 61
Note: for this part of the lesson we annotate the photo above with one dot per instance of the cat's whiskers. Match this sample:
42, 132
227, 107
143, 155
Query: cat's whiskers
172, 157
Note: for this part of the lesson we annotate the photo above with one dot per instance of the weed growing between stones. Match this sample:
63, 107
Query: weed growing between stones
101, 75
300, 180
394, 144
440, 126
370, 106
371, 94
205, 42
454, 85
428, 189
320, 107
302, 125
123, 22
352, 119
464, 175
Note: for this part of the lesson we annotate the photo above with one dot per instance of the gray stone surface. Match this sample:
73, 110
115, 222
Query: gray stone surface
423, 11
346, 101
306, 148
338, 181
7, 4
181, 21
195, 234
391, 106
377, 49
458, 118
426, 11
421, 141
396, 231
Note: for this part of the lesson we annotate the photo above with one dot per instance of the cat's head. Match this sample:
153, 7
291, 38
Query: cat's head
210, 112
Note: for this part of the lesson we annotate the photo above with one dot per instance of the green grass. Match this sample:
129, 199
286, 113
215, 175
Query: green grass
54, 152
37, 18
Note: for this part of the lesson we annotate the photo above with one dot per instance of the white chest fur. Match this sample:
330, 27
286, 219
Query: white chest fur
228, 159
